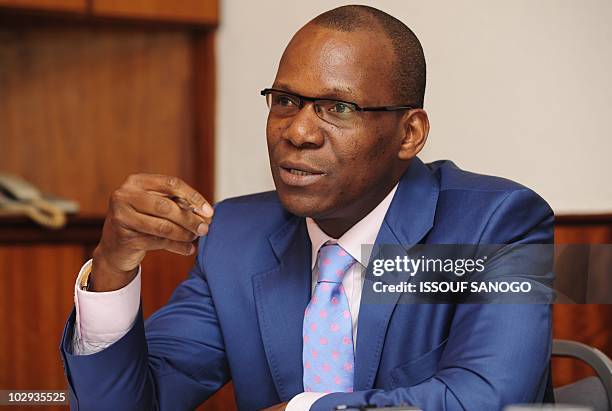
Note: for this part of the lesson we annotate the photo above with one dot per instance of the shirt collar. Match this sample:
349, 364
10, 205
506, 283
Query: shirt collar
364, 232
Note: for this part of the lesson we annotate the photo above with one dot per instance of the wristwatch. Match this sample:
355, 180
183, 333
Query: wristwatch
85, 282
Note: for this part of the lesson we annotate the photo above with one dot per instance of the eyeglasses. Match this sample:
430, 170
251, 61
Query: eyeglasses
337, 112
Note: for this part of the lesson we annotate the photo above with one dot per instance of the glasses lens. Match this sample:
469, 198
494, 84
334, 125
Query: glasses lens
283, 103
336, 112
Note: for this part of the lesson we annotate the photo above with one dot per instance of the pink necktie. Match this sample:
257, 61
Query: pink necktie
328, 356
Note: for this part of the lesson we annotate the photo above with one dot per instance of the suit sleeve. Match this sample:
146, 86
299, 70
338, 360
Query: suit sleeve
173, 361
496, 354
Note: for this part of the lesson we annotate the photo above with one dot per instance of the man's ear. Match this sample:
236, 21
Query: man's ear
415, 128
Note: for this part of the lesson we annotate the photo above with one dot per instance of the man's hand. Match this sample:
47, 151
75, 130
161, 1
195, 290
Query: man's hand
141, 217
277, 407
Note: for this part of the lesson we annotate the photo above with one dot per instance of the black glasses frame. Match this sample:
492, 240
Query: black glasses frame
267, 91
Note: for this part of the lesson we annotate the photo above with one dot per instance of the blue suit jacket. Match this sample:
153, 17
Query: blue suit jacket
239, 314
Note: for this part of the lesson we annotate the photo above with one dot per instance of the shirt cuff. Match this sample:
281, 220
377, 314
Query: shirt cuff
105, 316
303, 401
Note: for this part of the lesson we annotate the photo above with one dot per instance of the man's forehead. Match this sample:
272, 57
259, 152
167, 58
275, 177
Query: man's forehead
324, 91
329, 63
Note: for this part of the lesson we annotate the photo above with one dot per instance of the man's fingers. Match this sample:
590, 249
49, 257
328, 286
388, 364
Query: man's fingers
155, 226
172, 186
160, 206
150, 243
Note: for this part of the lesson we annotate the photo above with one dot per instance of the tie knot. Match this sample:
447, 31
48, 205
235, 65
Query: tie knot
333, 262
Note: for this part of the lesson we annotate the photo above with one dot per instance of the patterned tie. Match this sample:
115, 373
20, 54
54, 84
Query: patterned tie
328, 337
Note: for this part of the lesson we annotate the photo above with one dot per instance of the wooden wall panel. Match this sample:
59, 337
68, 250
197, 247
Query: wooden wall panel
583, 233
204, 94
79, 6
197, 11
36, 287
587, 323
82, 108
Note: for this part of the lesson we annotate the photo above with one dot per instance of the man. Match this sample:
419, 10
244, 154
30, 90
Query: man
274, 300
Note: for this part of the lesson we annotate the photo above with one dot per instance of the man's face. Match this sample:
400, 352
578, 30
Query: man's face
322, 170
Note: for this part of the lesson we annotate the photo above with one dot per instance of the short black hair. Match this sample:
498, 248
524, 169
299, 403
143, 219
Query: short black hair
408, 73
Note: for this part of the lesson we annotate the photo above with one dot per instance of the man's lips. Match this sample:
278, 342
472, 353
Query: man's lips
299, 174
299, 166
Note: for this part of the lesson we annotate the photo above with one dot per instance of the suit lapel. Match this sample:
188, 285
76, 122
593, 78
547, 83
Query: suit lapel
408, 220
281, 296
374, 314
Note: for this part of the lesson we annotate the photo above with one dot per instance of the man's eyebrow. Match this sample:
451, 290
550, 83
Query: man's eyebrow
334, 93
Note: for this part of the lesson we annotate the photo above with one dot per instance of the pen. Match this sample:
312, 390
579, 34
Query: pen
187, 206
183, 204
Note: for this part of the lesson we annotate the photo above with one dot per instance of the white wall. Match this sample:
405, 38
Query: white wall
516, 88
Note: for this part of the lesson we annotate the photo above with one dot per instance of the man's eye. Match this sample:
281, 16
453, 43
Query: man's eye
285, 101
341, 108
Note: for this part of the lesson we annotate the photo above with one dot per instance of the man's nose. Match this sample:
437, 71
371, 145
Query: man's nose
305, 128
